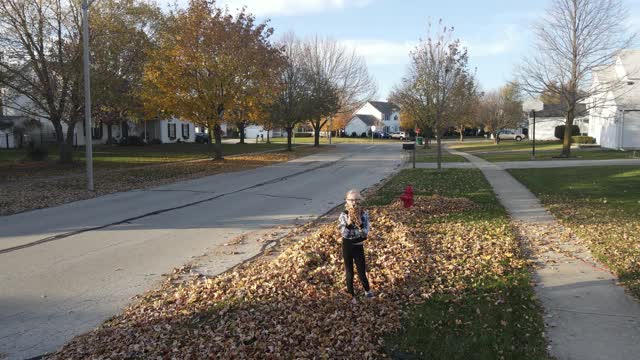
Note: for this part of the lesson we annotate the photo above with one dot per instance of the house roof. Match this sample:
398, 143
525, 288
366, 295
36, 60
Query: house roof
559, 110
628, 95
369, 120
631, 61
384, 106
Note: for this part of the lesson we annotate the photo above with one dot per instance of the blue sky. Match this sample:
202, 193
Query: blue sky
496, 32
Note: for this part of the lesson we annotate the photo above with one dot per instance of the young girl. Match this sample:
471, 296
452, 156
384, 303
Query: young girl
354, 227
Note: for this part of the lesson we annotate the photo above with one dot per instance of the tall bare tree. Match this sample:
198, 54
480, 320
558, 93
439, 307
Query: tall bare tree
41, 70
573, 39
438, 67
339, 81
500, 109
466, 98
289, 106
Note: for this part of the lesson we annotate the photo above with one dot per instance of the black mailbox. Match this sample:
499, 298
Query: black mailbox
410, 146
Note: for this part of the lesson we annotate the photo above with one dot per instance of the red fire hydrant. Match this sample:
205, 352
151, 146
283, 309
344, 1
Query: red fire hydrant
407, 196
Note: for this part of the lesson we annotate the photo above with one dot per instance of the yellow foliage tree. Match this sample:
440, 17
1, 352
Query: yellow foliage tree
206, 61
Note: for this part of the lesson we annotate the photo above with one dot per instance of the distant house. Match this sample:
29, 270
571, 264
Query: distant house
614, 118
360, 124
18, 129
385, 116
553, 115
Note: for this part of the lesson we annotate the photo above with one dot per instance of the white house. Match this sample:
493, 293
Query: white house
361, 123
551, 116
614, 119
386, 115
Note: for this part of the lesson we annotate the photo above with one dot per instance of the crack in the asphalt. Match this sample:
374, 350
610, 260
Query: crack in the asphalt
161, 211
180, 190
286, 197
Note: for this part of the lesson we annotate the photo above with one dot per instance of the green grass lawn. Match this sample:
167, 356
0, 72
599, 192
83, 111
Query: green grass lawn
602, 205
144, 154
14, 163
505, 145
492, 313
552, 155
430, 155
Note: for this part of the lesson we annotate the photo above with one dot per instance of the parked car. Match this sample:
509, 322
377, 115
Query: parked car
383, 135
402, 135
202, 138
508, 134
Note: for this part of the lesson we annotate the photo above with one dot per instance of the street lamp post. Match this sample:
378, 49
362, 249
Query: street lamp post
87, 94
373, 128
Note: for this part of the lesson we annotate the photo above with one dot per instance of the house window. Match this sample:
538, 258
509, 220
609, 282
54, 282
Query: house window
172, 130
386, 117
185, 131
395, 118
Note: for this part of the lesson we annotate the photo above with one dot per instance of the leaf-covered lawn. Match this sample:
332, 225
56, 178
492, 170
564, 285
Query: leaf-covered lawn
449, 279
14, 163
553, 155
66, 185
600, 204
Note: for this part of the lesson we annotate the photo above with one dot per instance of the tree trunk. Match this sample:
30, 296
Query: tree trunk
65, 152
110, 133
218, 147
461, 136
241, 126
210, 149
496, 138
66, 146
566, 141
289, 134
268, 142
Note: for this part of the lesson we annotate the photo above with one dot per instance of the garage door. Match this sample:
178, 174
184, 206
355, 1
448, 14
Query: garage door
631, 130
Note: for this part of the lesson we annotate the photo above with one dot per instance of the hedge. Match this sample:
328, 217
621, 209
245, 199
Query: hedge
583, 140
559, 131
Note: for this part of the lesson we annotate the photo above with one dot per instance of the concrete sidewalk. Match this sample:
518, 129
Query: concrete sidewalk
587, 316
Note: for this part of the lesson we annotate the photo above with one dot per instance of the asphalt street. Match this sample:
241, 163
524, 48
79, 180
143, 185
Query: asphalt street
66, 269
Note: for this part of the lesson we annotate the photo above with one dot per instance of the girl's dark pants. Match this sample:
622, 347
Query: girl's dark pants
352, 253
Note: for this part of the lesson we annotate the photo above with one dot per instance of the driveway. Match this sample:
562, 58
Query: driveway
64, 270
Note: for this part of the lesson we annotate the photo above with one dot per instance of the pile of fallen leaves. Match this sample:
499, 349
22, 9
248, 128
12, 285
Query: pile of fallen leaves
296, 306
21, 193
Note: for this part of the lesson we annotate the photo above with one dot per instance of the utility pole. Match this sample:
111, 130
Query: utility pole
87, 94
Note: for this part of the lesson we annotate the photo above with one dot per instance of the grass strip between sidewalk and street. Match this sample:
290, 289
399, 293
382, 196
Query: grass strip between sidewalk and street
602, 206
448, 274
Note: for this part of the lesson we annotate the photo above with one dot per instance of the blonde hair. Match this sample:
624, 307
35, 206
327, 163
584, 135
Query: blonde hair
353, 191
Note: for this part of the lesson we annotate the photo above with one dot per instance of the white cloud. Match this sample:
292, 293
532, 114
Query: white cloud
292, 7
382, 52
